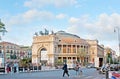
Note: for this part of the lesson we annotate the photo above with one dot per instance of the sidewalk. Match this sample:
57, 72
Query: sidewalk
26, 71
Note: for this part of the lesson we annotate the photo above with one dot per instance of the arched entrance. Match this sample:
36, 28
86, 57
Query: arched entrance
43, 56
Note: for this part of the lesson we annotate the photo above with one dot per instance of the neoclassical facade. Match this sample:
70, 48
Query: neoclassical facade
49, 48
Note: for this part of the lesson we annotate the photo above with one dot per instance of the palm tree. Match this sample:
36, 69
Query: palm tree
1, 24
2, 28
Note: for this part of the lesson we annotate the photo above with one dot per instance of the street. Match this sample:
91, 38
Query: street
54, 74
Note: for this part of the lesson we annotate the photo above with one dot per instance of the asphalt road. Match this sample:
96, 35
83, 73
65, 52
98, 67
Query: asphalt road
54, 74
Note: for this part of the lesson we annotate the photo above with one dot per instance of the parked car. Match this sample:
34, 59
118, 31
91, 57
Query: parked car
114, 67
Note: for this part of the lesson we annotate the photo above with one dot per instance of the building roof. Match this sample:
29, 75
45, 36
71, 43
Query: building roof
70, 38
64, 34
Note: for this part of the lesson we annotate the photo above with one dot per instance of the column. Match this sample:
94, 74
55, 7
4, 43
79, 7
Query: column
66, 48
61, 48
71, 49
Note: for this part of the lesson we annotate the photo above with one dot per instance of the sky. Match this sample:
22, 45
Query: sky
89, 19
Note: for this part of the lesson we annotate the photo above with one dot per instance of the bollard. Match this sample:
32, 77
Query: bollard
17, 69
23, 69
107, 74
6, 70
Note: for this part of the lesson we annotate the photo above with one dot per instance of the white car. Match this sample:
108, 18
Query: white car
90, 66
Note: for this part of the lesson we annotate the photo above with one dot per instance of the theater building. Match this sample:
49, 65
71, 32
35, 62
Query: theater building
61, 46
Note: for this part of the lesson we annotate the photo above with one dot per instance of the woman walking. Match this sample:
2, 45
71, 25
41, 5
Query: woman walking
78, 69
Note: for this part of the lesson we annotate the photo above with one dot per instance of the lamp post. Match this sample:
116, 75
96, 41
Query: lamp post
118, 30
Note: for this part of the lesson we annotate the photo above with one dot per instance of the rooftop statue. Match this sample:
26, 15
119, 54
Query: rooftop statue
52, 32
36, 34
46, 32
41, 33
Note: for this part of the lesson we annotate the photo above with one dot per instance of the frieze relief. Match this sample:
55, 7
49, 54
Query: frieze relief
39, 45
42, 39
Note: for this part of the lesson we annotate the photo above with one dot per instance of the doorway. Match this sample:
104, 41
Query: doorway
43, 57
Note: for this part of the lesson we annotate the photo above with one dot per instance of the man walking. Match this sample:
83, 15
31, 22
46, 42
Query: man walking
65, 70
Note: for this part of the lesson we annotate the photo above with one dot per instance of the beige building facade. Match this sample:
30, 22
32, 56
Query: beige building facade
12, 52
96, 53
49, 48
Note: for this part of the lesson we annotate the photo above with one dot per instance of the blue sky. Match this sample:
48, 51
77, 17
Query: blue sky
89, 19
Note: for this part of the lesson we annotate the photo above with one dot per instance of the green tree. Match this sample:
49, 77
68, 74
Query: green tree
58, 62
25, 62
109, 57
82, 54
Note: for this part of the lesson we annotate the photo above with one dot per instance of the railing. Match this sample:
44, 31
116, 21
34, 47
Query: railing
25, 69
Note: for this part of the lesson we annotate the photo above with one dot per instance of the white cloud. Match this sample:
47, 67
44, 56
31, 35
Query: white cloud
56, 3
101, 29
63, 3
61, 16
35, 14
73, 20
37, 3
31, 15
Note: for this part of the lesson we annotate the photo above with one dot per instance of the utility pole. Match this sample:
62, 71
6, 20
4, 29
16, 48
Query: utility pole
118, 30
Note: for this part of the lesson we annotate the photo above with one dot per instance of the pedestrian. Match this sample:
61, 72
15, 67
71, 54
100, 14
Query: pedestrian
80, 69
65, 69
77, 69
14, 69
15, 65
8, 68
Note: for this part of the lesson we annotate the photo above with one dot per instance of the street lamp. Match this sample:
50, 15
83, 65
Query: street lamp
118, 30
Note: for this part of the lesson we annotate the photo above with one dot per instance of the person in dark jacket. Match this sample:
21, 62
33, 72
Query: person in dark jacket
65, 70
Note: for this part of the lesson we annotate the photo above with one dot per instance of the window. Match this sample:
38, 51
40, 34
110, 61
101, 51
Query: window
59, 48
7, 47
64, 48
69, 48
74, 49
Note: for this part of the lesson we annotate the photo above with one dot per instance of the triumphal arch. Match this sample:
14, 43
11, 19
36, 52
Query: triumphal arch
43, 49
